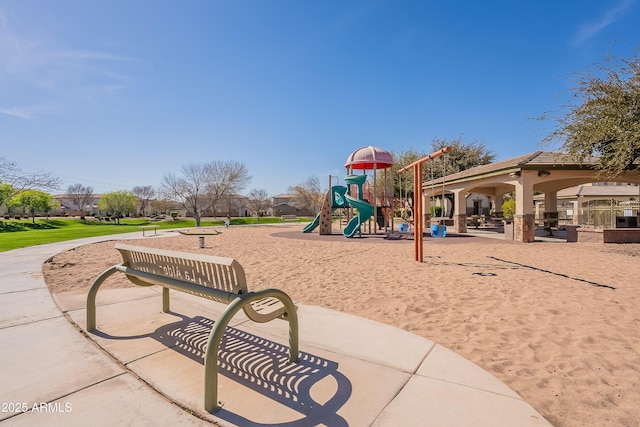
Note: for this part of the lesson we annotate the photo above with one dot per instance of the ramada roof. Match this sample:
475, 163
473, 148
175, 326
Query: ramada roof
537, 160
599, 191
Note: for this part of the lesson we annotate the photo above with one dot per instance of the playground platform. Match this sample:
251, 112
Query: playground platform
143, 366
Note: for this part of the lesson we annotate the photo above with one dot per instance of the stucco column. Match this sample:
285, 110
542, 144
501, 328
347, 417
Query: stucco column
551, 201
576, 212
551, 208
524, 220
497, 205
459, 212
426, 212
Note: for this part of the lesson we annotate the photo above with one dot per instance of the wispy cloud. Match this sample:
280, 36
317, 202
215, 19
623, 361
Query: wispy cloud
590, 29
5, 35
15, 112
25, 113
52, 70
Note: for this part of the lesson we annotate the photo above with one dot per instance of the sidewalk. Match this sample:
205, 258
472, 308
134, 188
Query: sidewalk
144, 367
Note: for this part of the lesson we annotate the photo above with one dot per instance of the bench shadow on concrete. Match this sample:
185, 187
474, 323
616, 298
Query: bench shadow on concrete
260, 365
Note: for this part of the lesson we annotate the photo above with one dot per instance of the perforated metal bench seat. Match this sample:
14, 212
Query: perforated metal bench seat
216, 278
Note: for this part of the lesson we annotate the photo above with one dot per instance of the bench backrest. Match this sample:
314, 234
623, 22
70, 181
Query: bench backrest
209, 271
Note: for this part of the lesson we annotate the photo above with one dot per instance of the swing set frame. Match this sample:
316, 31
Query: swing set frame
418, 220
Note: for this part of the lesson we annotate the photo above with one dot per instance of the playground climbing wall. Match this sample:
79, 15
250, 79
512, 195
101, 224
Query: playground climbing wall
325, 214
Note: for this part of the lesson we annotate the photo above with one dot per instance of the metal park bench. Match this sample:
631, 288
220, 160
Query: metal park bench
149, 227
286, 218
215, 278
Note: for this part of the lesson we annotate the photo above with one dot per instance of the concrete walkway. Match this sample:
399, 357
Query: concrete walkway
145, 367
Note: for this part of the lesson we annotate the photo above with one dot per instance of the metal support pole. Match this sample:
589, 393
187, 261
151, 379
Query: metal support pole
417, 212
418, 225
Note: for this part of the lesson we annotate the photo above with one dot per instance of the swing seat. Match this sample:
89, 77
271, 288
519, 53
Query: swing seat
438, 230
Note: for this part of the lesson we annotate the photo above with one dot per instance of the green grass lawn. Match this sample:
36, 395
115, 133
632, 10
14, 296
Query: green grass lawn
16, 234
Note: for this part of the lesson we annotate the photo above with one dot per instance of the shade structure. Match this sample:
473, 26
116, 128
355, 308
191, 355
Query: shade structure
369, 158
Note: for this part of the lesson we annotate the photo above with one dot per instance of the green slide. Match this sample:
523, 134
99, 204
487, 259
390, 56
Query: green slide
337, 201
312, 225
365, 210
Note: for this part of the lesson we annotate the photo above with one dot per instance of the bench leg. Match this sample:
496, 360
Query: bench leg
165, 300
211, 403
91, 297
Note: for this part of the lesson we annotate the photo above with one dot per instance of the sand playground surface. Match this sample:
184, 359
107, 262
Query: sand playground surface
559, 323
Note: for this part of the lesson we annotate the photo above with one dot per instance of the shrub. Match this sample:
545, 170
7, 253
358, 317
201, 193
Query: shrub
436, 211
509, 208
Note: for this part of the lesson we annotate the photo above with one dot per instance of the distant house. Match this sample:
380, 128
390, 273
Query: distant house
286, 198
68, 208
284, 204
234, 205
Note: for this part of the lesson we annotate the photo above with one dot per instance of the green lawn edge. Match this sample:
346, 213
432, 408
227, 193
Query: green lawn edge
16, 234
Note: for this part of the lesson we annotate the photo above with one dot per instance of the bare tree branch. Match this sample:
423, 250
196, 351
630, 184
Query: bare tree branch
259, 201
19, 181
144, 195
201, 186
308, 194
80, 195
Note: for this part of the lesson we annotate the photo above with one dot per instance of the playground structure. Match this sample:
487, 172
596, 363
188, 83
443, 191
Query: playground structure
357, 197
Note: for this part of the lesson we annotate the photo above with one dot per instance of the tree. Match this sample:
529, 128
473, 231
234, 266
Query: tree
161, 205
118, 204
33, 201
14, 181
308, 194
144, 195
225, 179
5, 193
188, 190
201, 186
461, 157
602, 117
80, 195
259, 202
403, 183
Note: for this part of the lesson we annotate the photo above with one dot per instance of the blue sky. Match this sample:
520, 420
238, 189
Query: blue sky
116, 94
